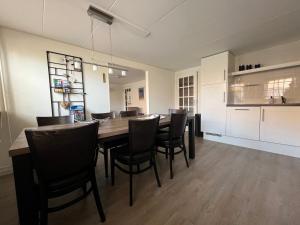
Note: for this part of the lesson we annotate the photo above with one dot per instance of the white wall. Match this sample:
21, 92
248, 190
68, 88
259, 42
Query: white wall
27, 85
116, 98
135, 101
271, 56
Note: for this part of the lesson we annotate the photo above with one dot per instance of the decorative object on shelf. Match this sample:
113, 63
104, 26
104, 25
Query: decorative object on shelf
141, 93
66, 83
256, 66
241, 67
78, 112
249, 67
65, 105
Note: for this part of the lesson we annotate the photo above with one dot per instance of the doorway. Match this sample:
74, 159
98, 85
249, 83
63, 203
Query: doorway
128, 90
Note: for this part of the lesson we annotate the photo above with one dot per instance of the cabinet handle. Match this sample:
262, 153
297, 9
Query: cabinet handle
224, 75
263, 115
224, 97
242, 109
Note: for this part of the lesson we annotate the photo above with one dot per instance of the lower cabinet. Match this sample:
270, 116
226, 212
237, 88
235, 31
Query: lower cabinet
243, 122
280, 124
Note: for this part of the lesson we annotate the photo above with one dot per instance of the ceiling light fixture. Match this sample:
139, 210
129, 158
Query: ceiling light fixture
123, 73
107, 17
92, 43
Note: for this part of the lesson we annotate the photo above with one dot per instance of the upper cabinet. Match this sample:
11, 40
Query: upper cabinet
214, 73
280, 124
214, 69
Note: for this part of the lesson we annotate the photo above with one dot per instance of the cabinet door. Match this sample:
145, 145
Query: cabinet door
243, 122
214, 69
280, 124
213, 100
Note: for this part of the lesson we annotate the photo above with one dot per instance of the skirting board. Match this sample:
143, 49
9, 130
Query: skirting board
287, 150
5, 170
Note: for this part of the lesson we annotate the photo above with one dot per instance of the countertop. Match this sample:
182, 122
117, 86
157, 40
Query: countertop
258, 105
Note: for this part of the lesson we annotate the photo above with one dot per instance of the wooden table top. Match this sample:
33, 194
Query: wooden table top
108, 128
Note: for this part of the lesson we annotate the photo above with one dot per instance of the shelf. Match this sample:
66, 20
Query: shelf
66, 88
57, 68
267, 68
66, 101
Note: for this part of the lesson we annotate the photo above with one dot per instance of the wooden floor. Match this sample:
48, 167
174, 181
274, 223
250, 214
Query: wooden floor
225, 185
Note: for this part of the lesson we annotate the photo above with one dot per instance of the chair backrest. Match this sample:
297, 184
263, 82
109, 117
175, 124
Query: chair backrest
177, 125
101, 116
177, 111
64, 152
142, 134
128, 113
54, 120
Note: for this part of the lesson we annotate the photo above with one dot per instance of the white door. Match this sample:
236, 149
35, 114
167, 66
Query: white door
280, 124
186, 92
214, 69
213, 105
243, 122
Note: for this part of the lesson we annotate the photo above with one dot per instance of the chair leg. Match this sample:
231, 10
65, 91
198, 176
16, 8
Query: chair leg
171, 161
130, 185
112, 169
106, 161
44, 210
167, 153
185, 156
97, 198
155, 171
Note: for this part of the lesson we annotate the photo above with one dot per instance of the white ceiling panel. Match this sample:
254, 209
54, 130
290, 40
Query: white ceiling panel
182, 31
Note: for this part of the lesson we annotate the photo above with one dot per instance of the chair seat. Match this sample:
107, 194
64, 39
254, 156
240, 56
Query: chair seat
162, 139
63, 186
115, 143
122, 155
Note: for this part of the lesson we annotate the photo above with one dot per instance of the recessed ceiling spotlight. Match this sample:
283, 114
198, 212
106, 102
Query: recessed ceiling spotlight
123, 73
95, 68
110, 71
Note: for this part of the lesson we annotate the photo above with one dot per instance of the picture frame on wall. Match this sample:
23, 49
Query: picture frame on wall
141, 93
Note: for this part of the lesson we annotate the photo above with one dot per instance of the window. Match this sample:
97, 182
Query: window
186, 94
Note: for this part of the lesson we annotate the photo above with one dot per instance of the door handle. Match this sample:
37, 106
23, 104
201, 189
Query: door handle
263, 115
242, 109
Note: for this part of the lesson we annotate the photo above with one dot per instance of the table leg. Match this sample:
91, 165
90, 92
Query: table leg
191, 125
25, 191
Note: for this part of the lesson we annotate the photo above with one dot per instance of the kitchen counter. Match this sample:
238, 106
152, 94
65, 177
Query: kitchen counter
259, 105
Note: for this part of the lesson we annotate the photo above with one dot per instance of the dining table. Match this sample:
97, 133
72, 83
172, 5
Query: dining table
25, 185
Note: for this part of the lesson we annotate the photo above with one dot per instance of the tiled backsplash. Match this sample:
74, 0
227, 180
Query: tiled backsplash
259, 87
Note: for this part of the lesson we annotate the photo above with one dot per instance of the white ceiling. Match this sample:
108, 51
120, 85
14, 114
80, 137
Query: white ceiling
132, 75
182, 31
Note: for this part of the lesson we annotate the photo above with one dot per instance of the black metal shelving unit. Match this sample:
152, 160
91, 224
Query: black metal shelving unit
68, 69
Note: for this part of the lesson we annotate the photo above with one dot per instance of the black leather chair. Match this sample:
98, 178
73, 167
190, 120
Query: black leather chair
128, 113
106, 146
54, 120
173, 139
177, 111
141, 149
64, 161
102, 116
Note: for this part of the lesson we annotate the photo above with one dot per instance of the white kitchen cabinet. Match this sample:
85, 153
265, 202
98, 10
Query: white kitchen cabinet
280, 124
214, 69
243, 122
213, 116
